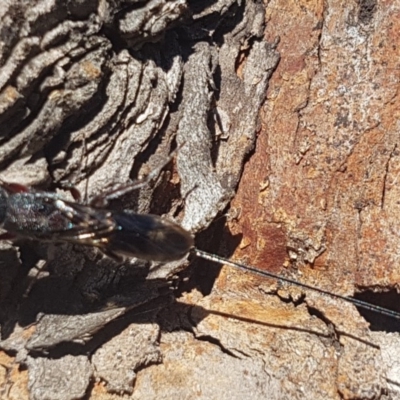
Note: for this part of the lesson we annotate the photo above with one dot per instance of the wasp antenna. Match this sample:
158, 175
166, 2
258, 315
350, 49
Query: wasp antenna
103, 199
281, 278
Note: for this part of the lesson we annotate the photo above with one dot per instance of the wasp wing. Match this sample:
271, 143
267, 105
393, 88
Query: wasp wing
147, 237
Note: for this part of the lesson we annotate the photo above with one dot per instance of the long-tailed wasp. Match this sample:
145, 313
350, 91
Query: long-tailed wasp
47, 216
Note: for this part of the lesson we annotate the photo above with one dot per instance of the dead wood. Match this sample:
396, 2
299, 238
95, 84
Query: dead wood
99, 93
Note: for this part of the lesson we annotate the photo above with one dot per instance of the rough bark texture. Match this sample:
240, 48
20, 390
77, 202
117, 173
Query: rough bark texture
97, 93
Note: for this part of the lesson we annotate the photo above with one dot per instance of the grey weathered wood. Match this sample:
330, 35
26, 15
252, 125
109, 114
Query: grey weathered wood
95, 93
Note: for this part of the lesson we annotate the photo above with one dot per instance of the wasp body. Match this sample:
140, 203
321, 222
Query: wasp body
47, 216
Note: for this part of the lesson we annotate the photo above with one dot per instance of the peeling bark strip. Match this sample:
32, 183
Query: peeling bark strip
97, 93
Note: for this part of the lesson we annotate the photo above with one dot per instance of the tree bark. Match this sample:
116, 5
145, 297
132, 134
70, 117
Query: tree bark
99, 93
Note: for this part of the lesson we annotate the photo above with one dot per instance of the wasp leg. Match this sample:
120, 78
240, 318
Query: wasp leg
7, 236
114, 256
102, 199
75, 193
15, 187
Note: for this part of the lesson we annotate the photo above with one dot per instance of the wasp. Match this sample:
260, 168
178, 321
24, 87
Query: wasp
47, 216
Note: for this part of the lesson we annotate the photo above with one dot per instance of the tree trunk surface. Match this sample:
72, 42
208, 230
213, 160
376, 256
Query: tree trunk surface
285, 117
